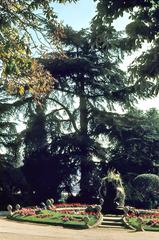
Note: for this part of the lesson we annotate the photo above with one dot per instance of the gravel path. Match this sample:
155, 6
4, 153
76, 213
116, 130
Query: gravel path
10, 230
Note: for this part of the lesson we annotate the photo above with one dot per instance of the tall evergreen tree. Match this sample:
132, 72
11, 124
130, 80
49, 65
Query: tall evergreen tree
88, 80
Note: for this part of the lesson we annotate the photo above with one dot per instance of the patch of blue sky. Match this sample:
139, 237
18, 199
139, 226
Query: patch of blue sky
77, 15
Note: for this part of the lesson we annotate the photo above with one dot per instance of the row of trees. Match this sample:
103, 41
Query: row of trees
74, 135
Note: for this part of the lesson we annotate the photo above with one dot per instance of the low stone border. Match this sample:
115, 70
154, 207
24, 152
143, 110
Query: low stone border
98, 222
127, 224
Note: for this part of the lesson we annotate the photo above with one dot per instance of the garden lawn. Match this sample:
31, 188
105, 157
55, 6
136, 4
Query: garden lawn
57, 218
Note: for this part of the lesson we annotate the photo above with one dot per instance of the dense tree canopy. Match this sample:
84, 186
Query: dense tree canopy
143, 28
133, 140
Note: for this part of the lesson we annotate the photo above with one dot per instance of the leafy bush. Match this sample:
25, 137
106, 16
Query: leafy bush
147, 189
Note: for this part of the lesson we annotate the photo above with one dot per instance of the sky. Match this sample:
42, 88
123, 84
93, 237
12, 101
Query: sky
79, 15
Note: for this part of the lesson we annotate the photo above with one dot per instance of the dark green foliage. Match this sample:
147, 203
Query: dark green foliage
10, 140
63, 136
113, 9
147, 189
133, 144
13, 186
143, 28
88, 81
12, 181
134, 140
147, 182
45, 168
43, 175
35, 136
48, 162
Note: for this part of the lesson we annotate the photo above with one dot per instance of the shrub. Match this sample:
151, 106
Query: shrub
147, 189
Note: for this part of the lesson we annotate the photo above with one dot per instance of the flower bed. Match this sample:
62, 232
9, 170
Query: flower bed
148, 220
67, 218
26, 212
63, 205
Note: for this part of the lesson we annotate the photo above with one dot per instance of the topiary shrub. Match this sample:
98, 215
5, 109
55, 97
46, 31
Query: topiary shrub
146, 187
112, 192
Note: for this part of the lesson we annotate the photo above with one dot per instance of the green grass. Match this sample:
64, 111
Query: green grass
133, 222
54, 218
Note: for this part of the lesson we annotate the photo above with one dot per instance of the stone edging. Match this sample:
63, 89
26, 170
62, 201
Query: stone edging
127, 224
98, 222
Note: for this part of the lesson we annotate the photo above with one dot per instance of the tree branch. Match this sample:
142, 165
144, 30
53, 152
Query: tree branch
68, 112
